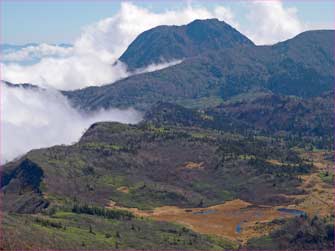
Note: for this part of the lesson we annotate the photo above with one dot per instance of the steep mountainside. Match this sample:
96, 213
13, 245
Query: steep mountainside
302, 66
153, 162
166, 43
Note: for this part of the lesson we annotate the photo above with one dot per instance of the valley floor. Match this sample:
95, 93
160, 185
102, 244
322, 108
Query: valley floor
239, 220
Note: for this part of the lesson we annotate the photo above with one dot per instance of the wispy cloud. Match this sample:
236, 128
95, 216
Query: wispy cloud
157, 67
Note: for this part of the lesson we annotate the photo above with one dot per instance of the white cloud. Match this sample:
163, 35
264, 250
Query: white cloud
91, 60
270, 22
225, 14
35, 118
65, 73
157, 67
37, 52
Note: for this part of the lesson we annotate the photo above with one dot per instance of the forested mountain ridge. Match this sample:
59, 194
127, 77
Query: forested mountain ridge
301, 66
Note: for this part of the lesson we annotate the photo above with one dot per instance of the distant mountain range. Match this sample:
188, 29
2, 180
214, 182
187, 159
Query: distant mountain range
23, 85
230, 65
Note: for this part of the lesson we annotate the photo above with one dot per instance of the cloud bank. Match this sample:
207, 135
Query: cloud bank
36, 118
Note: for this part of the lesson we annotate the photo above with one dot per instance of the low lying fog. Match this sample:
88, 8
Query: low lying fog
36, 118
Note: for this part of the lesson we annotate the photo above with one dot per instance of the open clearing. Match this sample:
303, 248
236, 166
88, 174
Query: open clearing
239, 220
234, 219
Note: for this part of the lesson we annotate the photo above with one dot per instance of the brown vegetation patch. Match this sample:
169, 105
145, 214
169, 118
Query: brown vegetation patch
111, 204
320, 159
221, 220
279, 163
123, 189
319, 197
255, 220
194, 165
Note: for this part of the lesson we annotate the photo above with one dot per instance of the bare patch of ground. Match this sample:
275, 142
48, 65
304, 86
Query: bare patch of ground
319, 199
194, 165
221, 220
123, 189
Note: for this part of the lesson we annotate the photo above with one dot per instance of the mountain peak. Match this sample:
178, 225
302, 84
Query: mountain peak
166, 43
205, 21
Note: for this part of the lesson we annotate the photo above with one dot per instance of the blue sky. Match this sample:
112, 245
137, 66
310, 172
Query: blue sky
61, 21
